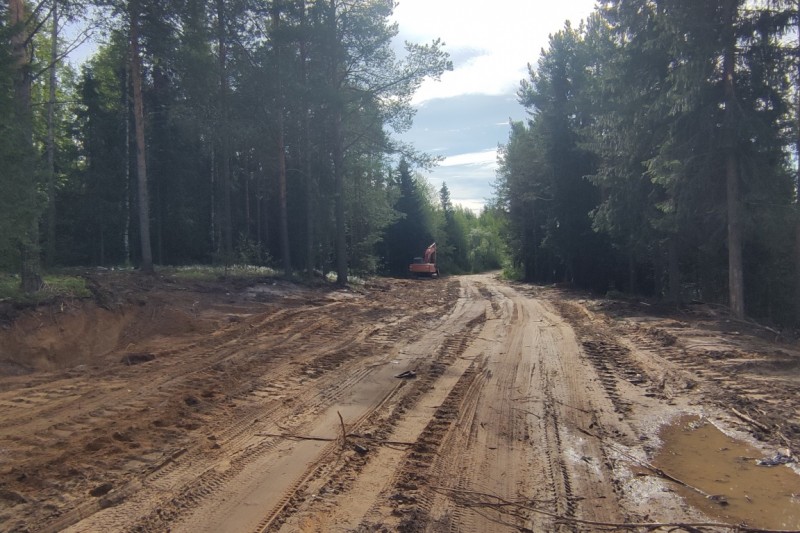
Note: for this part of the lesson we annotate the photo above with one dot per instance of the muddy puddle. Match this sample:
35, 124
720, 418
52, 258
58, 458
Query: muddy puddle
699, 454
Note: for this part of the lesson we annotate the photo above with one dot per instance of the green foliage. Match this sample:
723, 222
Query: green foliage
370, 213
93, 197
542, 180
452, 245
414, 229
19, 201
251, 253
55, 286
465, 243
487, 250
631, 134
223, 82
617, 180
211, 272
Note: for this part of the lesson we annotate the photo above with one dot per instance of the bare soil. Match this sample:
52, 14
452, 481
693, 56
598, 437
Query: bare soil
438, 405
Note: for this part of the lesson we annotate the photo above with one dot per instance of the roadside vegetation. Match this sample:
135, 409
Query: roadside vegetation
54, 286
659, 158
220, 134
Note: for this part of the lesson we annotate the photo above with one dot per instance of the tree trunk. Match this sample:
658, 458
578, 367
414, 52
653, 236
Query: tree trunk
338, 152
19, 52
247, 181
797, 255
141, 161
224, 132
797, 190
305, 146
214, 234
282, 211
338, 179
658, 274
735, 268
31, 280
259, 200
284, 217
126, 233
158, 125
51, 143
674, 272
311, 197
631, 270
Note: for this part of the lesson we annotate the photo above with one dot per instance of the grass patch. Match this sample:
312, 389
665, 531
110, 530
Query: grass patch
9, 287
210, 273
55, 286
352, 279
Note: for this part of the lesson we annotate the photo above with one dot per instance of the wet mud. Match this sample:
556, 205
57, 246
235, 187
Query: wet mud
735, 489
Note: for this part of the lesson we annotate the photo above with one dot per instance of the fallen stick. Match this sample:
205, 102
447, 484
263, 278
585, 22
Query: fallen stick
750, 421
527, 412
786, 441
383, 441
296, 437
293, 436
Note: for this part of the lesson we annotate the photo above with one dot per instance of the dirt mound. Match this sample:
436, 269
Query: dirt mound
123, 315
51, 339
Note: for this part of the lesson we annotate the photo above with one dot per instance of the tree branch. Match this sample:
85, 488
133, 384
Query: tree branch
71, 47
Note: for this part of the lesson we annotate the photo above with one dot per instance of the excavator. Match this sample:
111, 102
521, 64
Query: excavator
425, 266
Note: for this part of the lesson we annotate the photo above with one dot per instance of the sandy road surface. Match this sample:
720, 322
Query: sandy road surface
272, 407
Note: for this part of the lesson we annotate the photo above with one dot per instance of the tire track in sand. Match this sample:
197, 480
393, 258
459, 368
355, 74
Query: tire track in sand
504, 441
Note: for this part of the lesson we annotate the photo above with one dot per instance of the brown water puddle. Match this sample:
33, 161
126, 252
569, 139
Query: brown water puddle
699, 454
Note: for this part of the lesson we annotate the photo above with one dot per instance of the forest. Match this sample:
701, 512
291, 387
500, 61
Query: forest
659, 157
220, 132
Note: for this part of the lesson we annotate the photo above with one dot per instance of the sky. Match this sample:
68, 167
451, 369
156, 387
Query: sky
466, 115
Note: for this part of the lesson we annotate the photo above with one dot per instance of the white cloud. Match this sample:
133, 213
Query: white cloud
484, 158
484, 74
502, 37
491, 45
468, 176
473, 204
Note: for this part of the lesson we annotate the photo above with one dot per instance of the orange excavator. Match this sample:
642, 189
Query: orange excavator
425, 266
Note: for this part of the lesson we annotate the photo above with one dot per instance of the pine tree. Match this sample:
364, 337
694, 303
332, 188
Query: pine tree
24, 171
412, 232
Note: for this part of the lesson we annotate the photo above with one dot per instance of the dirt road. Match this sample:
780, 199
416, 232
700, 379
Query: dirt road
459, 404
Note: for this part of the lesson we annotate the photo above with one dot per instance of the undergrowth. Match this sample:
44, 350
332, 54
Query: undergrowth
54, 286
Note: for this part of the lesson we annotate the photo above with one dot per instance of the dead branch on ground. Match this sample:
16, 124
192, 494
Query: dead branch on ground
750, 421
293, 436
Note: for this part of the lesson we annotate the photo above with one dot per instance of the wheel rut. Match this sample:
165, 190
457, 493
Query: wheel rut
456, 405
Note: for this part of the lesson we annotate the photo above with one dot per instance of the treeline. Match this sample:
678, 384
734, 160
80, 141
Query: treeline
660, 155
465, 242
211, 131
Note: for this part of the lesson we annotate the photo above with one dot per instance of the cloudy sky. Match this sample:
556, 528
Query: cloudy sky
465, 115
